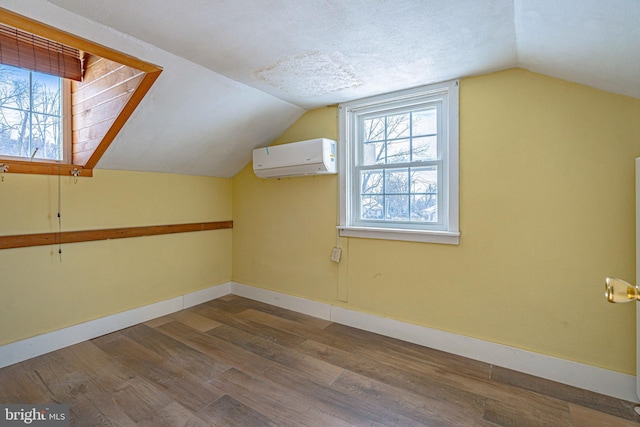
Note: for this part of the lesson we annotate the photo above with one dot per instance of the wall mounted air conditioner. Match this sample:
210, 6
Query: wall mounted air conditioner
311, 157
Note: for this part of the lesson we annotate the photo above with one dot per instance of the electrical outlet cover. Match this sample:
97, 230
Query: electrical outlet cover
335, 254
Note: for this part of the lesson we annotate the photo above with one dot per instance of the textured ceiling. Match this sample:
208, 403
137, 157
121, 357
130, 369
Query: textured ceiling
239, 72
318, 52
591, 42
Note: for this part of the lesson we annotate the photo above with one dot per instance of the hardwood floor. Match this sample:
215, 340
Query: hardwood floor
238, 362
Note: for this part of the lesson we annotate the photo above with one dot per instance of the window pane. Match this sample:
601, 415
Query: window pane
399, 151
424, 208
14, 87
398, 126
46, 94
373, 129
397, 181
14, 131
46, 136
371, 182
424, 180
372, 207
425, 122
397, 208
373, 153
425, 148
30, 114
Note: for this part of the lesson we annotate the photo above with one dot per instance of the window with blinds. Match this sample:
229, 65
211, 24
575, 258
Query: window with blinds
33, 71
43, 69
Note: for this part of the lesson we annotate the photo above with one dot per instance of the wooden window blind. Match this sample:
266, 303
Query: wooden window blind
25, 50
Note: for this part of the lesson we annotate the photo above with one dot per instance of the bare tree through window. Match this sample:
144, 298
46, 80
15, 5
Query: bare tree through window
394, 186
30, 114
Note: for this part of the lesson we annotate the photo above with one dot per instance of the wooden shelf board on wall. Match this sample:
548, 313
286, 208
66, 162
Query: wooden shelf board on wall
56, 238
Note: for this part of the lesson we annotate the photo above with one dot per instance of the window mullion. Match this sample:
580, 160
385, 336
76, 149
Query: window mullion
420, 164
30, 115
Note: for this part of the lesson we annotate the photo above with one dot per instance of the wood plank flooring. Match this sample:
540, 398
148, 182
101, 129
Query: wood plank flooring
238, 362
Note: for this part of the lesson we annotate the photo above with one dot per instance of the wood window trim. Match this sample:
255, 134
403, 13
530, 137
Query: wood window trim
88, 162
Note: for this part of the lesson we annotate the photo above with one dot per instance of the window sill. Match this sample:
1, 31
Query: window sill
424, 236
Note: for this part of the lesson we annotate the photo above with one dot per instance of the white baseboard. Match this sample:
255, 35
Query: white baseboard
604, 381
208, 294
31, 347
599, 380
300, 305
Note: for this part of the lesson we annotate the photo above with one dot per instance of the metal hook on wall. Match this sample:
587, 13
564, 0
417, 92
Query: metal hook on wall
3, 168
75, 173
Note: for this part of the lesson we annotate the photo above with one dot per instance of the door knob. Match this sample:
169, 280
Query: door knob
617, 290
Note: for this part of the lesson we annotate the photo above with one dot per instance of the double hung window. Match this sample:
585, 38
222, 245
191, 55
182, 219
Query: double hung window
399, 165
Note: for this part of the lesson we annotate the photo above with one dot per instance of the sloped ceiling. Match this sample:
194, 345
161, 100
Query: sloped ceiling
239, 72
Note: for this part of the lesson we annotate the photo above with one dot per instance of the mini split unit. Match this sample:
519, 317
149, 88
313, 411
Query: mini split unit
311, 157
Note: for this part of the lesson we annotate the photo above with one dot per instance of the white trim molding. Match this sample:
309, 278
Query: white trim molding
444, 237
599, 380
36, 346
290, 302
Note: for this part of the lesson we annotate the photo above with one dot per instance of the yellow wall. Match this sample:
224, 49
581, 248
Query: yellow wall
41, 294
547, 212
284, 229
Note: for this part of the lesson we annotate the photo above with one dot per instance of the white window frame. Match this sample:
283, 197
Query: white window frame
447, 230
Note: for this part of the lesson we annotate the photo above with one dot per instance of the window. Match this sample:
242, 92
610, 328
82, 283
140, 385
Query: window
101, 88
31, 114
399, 165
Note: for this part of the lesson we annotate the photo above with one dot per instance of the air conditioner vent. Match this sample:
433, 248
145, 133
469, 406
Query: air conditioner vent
310, 157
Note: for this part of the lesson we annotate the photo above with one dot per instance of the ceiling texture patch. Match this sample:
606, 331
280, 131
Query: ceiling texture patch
310, 74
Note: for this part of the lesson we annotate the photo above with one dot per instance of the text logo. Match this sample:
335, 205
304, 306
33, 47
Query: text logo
34, 415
